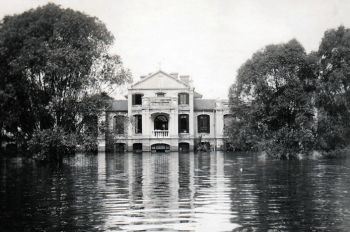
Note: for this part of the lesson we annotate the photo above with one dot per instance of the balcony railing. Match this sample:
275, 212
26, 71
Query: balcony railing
160, 133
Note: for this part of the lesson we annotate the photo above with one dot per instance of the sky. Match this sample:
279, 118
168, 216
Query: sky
206, 39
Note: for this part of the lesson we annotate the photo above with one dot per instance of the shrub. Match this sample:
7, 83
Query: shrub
51, 144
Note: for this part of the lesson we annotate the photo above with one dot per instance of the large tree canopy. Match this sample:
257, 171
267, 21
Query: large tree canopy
272, 99
50, 60
333, 98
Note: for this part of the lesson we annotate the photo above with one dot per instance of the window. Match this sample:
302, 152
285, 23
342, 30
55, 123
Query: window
138, 124
119, 124
228, 120
160, 94
183, 99
137, 99
183, 123
203, 123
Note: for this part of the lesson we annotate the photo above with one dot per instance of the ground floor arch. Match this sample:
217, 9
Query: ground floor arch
119, 147
184, 147
160, 147
166, 145
137, 147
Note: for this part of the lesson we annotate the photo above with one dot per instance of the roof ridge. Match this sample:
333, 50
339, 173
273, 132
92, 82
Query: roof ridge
159, 71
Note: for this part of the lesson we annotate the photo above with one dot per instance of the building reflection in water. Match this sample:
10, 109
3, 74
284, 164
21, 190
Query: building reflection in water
175, 192
166, 191
218, 192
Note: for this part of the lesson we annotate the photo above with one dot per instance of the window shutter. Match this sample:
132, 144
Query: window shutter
188, 123
203, 123
199, 124
140, 124
208, 123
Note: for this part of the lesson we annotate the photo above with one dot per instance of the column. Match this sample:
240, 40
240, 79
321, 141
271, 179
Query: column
101, 126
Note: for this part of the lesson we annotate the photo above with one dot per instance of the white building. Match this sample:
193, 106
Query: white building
164, 112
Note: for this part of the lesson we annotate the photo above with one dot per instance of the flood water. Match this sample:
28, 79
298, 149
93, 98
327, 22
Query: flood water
175, 192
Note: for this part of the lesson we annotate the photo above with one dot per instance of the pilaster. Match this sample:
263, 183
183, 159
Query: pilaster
191, 115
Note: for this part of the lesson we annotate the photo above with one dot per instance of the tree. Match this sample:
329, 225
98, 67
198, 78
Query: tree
333, 95
273, 100
52, 60
241, 130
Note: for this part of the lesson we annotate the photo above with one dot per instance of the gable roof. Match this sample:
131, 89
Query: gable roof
118, 105
185, 85
204, 104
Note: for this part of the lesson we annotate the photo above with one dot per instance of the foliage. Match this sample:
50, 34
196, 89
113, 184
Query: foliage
240, 130
118, 128
273, 100
51, 145
333, 95
54, 65
287, 102
120, 124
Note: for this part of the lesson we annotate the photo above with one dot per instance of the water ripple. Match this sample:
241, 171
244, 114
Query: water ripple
175, 192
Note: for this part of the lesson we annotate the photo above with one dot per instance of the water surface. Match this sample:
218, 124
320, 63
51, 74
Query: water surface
175, 192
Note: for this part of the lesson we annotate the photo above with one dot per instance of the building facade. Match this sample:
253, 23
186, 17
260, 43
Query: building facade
163, 112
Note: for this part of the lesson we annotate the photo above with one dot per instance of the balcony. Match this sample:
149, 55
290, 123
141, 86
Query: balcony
160, 133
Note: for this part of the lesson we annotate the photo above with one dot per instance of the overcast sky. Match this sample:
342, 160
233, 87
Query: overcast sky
206, 39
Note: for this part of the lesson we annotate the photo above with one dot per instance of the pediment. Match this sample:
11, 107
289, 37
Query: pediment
159, 80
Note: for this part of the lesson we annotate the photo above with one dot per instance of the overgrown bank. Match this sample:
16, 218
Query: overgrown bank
56, 70
287, 102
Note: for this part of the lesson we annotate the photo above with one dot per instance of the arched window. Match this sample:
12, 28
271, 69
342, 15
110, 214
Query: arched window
183, 99
161, 122
119, 124
203, 123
